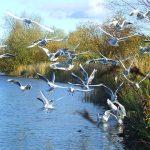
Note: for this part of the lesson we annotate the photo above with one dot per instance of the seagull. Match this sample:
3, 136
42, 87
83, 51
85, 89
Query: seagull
119, 26
85, 83
48, 104
51, 84
140, 15
52, 56
43, 42
105, 61
29, 21
127, 70
114, 40
146, 40
67, 65
105, 116
144, 50
111, 93
22, 87
7, 55
137, 83
2, 46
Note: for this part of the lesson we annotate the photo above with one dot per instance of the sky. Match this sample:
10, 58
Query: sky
63, 14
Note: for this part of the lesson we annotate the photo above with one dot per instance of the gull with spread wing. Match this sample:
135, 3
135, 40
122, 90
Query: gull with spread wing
144, 50
29, 21
7, 55
114, 41
48, 104
22, 87
85, 83
51, 84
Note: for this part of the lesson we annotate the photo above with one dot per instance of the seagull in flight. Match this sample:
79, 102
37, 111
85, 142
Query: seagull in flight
84, 83
22, 87
2, 46
48, 104
144, 50
137, 83
51, 84
120, 26
127, 70
29, 21
139, 14
67, 65
114, 41
52, 56
112, 94
43, 42
7, 55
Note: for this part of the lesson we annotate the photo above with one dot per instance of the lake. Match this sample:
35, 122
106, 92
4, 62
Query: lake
24, 125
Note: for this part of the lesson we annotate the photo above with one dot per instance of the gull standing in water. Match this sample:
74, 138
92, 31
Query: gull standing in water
127, 70
7, 55
114, 40
67, 65
22, 87
52, 56
51, 84
120, 26
48, 104
137, 83
112, 94
29, 21
43, 42
85, 83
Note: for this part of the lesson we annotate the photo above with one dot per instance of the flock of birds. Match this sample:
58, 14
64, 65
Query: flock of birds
84, 84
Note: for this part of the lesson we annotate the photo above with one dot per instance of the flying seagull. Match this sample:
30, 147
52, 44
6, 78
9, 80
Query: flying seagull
112, 94
2, 46
51, 84
7, 55
22, 87
114, 41
144, 50
29, 21
48, 104
67, 65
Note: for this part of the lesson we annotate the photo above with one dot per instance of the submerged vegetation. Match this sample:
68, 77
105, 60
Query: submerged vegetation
30, 61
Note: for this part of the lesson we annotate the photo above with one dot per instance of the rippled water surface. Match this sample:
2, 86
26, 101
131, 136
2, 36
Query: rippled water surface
25, 126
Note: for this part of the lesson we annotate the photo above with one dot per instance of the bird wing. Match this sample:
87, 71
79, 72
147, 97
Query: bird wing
145, 77
108, 89
76, 47
78, 79
122, 64
12, 15
105, 31
42, 77
34, 44
91, 77
15, 82
53, 77
45, 99
41, 100
8, 55
1, 46
132, 61
44, 27
119, 87
59, 98
74, 84
95, 85
128, 79
84, 73
45, 50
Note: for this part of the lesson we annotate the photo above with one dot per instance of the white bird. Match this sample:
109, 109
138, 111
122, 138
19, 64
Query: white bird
144, 50
127, 70
22, 87
139, 14
29, 21
43, 42
48, 104
112, 94
137, 83
7, 55
51, 84
120, 26
85, 83
67, 65
114, 41
52, 56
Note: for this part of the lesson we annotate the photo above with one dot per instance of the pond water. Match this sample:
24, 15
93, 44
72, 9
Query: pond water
24, 125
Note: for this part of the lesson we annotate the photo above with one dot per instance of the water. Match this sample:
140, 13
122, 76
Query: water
25, 126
